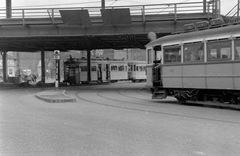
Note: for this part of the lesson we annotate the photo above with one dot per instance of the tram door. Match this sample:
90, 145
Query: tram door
158, 55
108, 72
100, 73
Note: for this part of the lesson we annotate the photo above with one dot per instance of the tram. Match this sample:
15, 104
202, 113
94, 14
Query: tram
103, 70
200, 67
137, 71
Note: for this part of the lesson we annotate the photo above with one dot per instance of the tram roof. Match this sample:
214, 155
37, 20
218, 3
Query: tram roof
208, 34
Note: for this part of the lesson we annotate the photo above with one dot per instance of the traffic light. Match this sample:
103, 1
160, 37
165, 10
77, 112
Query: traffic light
56, 54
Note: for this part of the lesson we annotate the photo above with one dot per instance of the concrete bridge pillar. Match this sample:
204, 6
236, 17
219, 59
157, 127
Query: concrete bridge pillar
89, 65
4, 64
43, 68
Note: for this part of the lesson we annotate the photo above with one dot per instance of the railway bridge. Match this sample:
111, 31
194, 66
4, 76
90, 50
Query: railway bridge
89, 28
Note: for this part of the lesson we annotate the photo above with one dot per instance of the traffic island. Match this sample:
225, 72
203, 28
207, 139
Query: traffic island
55, 96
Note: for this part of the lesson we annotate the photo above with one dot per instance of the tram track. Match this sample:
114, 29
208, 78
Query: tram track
116, 103
121, 92
124, 96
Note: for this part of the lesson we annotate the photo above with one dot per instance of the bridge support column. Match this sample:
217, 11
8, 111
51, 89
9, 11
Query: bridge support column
43, 68
89, 65
4, 64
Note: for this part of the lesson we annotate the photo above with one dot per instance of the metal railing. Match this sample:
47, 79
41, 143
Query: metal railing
233, 15
173, 9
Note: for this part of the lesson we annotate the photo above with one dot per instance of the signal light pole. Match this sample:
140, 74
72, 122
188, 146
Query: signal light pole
57, 66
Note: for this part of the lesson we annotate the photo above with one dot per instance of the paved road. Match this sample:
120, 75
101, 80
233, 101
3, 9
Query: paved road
113, 120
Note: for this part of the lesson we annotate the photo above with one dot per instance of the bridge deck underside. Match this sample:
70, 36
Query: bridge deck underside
48, 36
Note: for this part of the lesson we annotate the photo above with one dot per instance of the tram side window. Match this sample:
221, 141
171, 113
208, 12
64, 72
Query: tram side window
121, 68
219, 50
114, 68
193, 52
172, 54
237, 49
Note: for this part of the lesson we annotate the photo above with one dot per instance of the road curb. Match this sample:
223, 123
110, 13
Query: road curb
55, 96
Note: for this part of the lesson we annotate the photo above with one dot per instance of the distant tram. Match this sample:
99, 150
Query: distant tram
200, 67
137, 71
104, 70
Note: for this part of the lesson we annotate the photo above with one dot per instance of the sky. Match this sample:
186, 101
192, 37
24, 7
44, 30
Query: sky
226, 5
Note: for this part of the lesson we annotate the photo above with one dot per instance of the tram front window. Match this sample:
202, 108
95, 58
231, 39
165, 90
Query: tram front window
149, 53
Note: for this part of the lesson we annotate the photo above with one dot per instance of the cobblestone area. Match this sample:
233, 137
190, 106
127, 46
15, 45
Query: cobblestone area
113, 120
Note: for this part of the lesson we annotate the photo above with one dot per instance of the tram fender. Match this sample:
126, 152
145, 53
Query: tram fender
159, 94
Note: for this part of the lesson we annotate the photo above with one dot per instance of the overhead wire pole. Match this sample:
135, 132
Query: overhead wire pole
103, 4
8, 8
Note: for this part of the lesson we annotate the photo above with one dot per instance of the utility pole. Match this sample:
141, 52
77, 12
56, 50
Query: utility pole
9, 8
103, 4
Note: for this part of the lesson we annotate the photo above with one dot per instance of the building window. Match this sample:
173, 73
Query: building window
10, 71
219, 50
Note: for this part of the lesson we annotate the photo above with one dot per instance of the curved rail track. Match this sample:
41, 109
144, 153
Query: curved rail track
135, 99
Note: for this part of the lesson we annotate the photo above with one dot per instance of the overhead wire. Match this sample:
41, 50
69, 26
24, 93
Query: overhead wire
113, 2
61, 4
169, 6
133, 1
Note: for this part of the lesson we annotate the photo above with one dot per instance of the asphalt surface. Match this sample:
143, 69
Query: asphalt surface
117, 119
